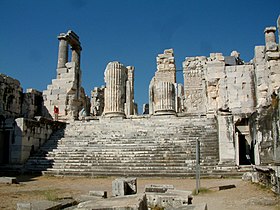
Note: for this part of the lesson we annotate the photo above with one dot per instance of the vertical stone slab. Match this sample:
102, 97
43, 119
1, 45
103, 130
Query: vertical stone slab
226, 138
194, 85
115, 91
215, 83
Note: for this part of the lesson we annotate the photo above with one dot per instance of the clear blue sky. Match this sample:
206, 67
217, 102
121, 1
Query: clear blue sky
130, 31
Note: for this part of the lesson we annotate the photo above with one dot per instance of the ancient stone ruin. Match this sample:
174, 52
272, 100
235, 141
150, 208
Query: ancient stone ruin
66, 91
229, 105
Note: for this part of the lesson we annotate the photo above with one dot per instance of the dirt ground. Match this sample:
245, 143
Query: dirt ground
245, 196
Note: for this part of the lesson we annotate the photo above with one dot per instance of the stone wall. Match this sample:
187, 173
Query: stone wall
29, 135
20, 133
10, 97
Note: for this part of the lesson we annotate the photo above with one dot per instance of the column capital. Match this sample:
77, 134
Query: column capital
62, 36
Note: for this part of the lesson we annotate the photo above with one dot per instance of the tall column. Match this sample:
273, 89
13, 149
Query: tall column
130, 91
278, 26
76, 55
62, 51
164, 98
115, 91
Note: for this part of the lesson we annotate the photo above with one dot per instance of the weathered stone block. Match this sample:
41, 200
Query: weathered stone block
158, 188
201, 206
124, 186
170, 199
8, 180
131, 202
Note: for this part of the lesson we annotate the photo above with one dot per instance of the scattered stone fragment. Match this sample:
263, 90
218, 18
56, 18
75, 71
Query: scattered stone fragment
102, 194
39, 205
226, 187
201, 206
168, 199
158, 188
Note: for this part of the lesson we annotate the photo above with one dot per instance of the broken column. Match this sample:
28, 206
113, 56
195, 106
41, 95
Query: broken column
164, 97
115, 91
162, 86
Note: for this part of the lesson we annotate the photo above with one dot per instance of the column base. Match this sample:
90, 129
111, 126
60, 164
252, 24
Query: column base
165, 112
114, 114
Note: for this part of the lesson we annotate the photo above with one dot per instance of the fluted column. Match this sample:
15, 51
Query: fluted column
115, 91
62, 51
164, 98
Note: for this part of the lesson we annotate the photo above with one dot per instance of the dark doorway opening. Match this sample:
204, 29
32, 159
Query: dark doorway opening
246, 153
4, 147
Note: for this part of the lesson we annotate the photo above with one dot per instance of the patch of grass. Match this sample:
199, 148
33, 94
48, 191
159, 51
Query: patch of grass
201, 190
51, 195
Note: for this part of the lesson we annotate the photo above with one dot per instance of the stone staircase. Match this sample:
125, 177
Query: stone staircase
39, 161
155, 146
143, 146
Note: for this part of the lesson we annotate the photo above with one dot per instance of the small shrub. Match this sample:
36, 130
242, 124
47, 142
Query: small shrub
201, 190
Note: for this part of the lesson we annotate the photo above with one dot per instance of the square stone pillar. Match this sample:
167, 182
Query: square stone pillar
226, 138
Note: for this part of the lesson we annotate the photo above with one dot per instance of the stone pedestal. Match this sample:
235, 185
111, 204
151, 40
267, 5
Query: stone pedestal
115, 91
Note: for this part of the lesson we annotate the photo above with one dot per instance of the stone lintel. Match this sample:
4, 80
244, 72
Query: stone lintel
73, 40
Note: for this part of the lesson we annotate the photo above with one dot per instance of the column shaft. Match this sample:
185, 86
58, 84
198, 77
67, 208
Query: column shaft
62, 52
